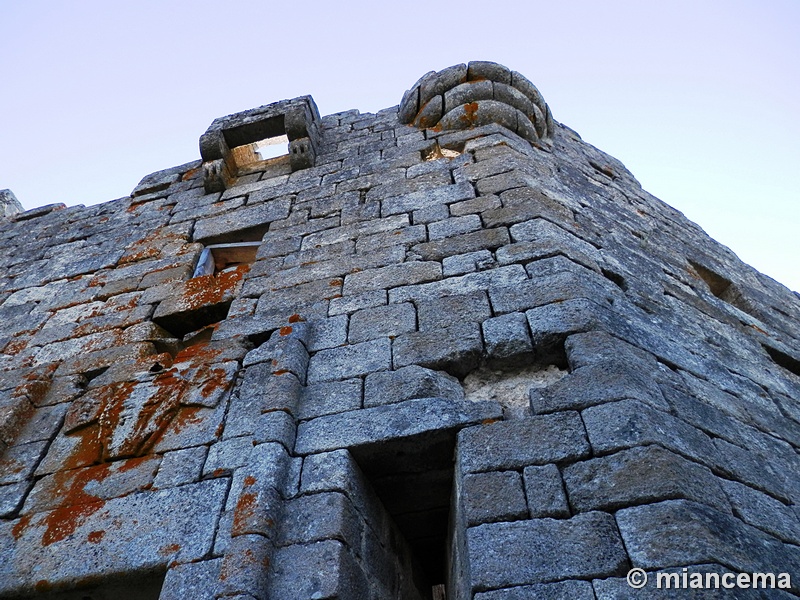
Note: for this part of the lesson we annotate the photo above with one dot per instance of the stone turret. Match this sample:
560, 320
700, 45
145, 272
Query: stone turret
448, 350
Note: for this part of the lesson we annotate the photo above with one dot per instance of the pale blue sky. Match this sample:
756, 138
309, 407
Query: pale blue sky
698, 98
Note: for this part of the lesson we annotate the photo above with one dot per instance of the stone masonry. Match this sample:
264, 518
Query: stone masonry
448, 350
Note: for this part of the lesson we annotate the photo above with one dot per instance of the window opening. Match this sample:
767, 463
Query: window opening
723, 289
217, 258
789, 363
615, 278
397, 471
273, 147
436, 152
205, 299
232, 146
717, 284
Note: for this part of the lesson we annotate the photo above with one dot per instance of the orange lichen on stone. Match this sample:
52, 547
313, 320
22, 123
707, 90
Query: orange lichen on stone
244, 511
295, 318
15, 346
149, 246
169, 549
215, 380
286, 330
62, 522
185, 417
75, 505
94, 537
89, 449
190, 174
211, 289
470, 116
197, 353
19, 527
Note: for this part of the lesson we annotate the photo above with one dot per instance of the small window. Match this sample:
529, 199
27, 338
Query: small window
220, 257
717, 284
273, 147
279, 138
270, 154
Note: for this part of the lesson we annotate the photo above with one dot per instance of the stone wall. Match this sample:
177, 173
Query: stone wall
411, 358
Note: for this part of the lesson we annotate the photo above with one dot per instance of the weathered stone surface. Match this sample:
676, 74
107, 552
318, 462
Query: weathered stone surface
330, 397
507, 336
593, 347
327, 333
390, 276
320, 570
453, 226
493, 496
545, 492
18, 462
350, 361
408, 383
628, 423
481, 205
458, 285
677, 532
180, 467
467, 263
350, 304
245, 567
519, 443
11, 497
380, 423
577, 590
260, 393
382, 321
639, 476
227, 455
283, 355
462, 243
316, 517
764, 512
511, 254
595, 384
456, 349
96, 483
127, 534
9, 205
198, 580
438, 313
554, 289
542, 550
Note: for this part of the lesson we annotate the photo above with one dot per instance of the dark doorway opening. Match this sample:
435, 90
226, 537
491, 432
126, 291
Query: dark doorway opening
413, 478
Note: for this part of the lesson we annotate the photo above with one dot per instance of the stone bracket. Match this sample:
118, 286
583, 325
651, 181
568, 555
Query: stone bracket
298, 119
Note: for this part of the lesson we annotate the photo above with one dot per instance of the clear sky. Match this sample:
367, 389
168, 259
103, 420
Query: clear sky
699, 99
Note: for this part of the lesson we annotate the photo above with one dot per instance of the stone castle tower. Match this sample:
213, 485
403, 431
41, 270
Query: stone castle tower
445, 350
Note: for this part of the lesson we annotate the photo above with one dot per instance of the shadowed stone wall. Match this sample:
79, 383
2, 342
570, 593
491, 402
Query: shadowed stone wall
475, 356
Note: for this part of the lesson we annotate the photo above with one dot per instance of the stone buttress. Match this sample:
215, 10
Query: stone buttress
448, 350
